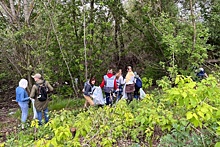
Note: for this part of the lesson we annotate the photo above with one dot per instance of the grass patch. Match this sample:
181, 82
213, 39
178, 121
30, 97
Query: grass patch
59, 104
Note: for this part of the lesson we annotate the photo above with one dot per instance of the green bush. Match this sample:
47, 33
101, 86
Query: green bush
185, 115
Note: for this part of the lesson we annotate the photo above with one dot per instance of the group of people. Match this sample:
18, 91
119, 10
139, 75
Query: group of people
37, 94
113, 85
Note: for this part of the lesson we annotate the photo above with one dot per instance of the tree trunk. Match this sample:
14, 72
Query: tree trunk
91, 21
193, 23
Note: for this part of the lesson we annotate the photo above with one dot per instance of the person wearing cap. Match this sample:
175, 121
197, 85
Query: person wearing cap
23, 100
41, 106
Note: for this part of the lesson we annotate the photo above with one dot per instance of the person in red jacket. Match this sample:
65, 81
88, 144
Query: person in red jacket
109, 84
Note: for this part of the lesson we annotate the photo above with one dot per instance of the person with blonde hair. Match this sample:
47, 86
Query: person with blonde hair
130, 86
23, 100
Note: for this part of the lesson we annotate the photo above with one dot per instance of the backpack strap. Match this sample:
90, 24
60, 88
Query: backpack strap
38, 85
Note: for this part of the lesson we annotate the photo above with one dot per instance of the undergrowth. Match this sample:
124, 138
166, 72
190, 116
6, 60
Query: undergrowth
184, 115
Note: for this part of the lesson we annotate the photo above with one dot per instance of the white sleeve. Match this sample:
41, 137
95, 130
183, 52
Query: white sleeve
121, 80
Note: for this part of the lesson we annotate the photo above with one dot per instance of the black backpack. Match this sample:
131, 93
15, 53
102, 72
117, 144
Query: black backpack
42, 92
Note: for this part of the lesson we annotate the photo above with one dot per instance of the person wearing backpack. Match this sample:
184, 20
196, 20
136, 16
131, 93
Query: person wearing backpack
23, 100
109, 84
39, 92
138, 85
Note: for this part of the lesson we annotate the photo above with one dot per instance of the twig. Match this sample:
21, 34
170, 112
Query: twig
212, 132
200, 135
91, 138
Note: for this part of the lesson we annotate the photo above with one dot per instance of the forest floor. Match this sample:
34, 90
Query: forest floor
8, 123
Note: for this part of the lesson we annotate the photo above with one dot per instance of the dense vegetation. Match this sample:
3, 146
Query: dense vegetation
185, 115
67, 41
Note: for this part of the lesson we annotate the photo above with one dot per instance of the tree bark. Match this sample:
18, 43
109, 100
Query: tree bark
26, 12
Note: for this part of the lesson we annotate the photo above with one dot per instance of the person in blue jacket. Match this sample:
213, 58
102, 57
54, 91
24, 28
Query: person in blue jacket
23, 100
201, 74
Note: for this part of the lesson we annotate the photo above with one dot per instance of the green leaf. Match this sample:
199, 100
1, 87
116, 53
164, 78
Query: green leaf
184, 94
204, 109
217, 144
218, 113
142, 120
177, 80
195, 115
189, 115
201, 114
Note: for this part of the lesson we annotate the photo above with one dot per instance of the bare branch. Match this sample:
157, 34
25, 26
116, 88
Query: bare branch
30, 10
26, 11
12, 10
6, 10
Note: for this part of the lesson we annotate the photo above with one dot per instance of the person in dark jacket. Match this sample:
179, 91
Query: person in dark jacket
87, 92
23, 100
137, 89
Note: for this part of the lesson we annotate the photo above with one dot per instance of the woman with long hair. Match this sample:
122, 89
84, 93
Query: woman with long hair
129, 81
88, 90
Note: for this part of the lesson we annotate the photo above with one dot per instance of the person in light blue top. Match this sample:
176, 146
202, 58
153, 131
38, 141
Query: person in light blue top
23, 100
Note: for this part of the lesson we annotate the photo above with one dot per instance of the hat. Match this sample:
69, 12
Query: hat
37, 75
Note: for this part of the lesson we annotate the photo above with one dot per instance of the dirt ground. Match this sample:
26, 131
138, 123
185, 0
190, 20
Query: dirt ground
7, 121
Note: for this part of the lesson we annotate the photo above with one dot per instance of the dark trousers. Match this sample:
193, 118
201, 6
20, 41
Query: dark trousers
136, 93
130, 97
108, 99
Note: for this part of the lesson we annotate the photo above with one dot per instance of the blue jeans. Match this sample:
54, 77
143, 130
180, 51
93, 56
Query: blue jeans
119, 93
46, 116
24, 111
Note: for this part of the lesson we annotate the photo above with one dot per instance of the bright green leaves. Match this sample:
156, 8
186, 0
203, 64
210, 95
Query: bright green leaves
197, 102
217, 144
189, 115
